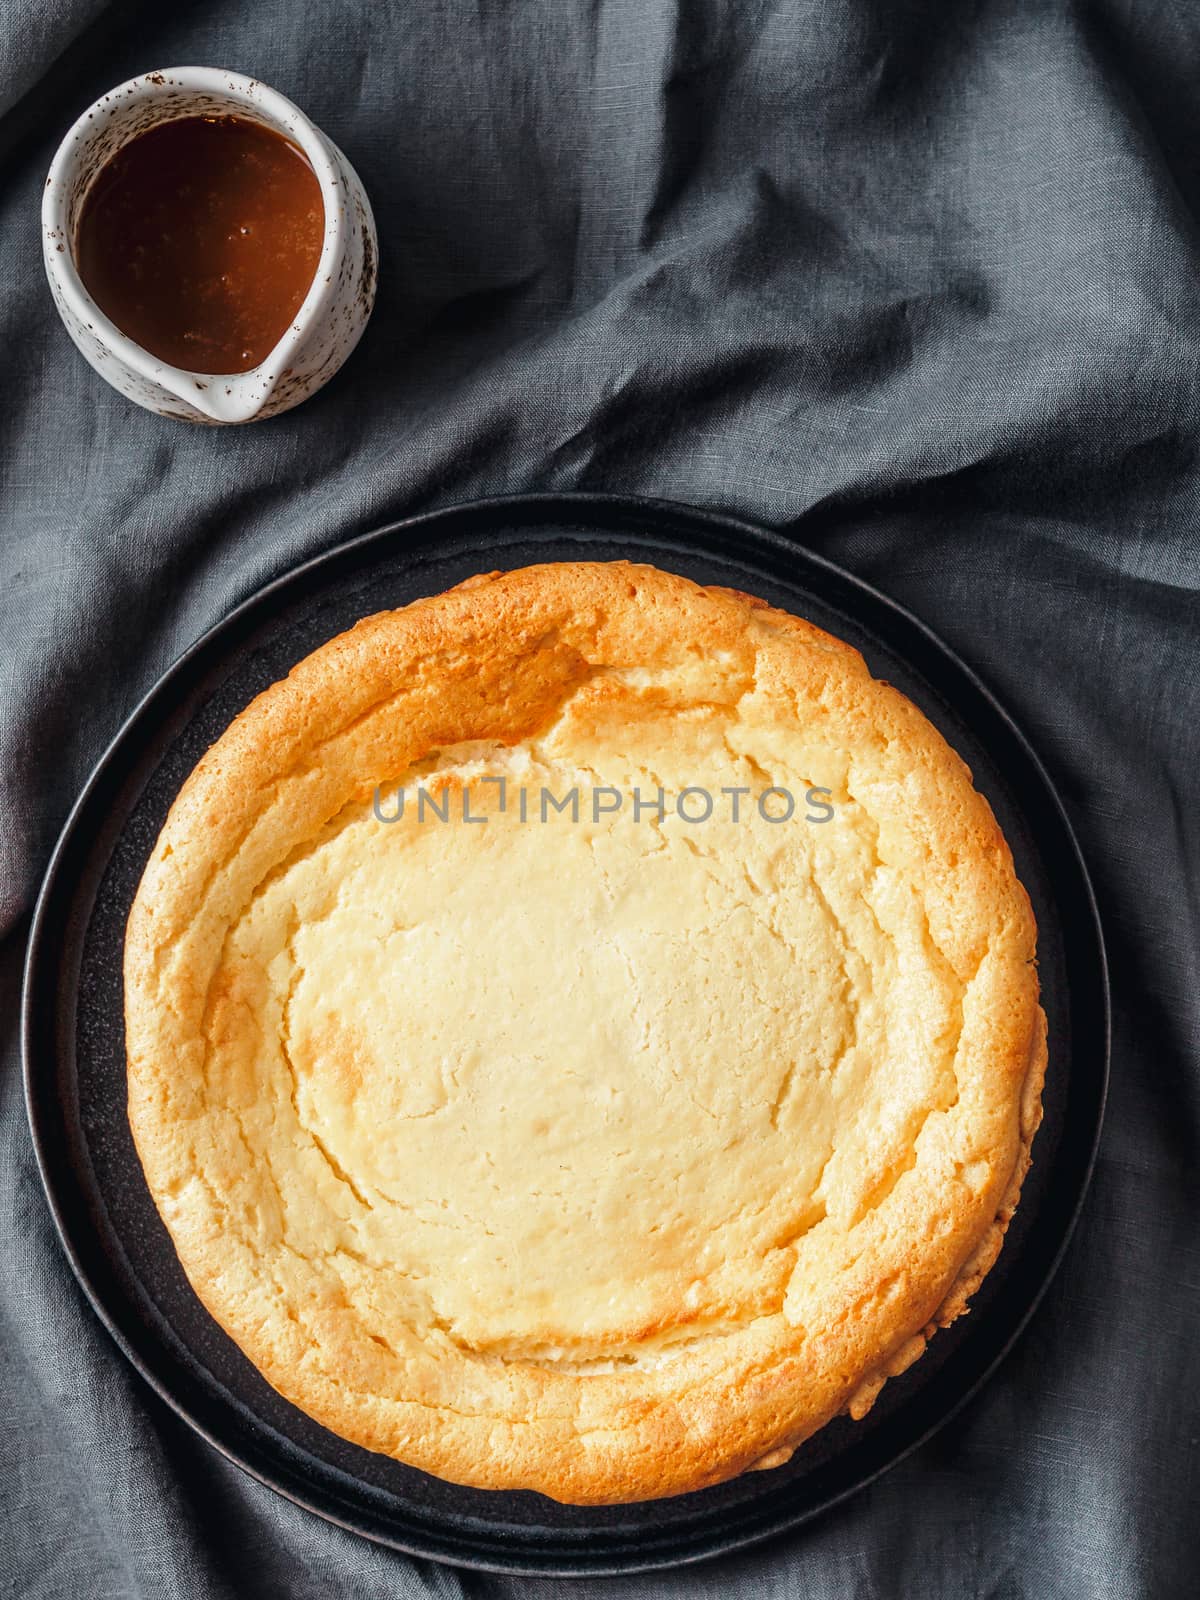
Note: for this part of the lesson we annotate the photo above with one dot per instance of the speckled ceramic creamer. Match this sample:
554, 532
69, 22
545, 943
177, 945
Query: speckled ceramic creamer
330, 319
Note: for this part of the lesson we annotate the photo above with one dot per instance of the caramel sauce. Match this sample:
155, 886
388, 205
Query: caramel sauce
200, 239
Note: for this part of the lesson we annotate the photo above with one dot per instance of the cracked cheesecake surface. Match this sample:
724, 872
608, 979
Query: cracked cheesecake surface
599, 1147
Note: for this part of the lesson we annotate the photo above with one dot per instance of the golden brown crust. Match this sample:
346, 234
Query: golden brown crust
533, 1157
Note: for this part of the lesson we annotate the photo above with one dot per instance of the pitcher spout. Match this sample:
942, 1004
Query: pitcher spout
225, 398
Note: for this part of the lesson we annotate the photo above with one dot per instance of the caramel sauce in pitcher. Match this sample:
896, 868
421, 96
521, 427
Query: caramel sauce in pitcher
200, 239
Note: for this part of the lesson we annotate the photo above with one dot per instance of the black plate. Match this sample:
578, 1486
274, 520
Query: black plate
75, 1070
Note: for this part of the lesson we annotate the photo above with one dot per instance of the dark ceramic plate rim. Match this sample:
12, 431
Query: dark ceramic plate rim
614, 516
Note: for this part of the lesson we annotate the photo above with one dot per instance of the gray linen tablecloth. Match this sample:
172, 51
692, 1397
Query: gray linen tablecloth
915, 280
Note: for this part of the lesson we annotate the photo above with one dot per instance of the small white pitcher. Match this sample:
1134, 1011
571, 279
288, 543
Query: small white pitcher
334, 311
